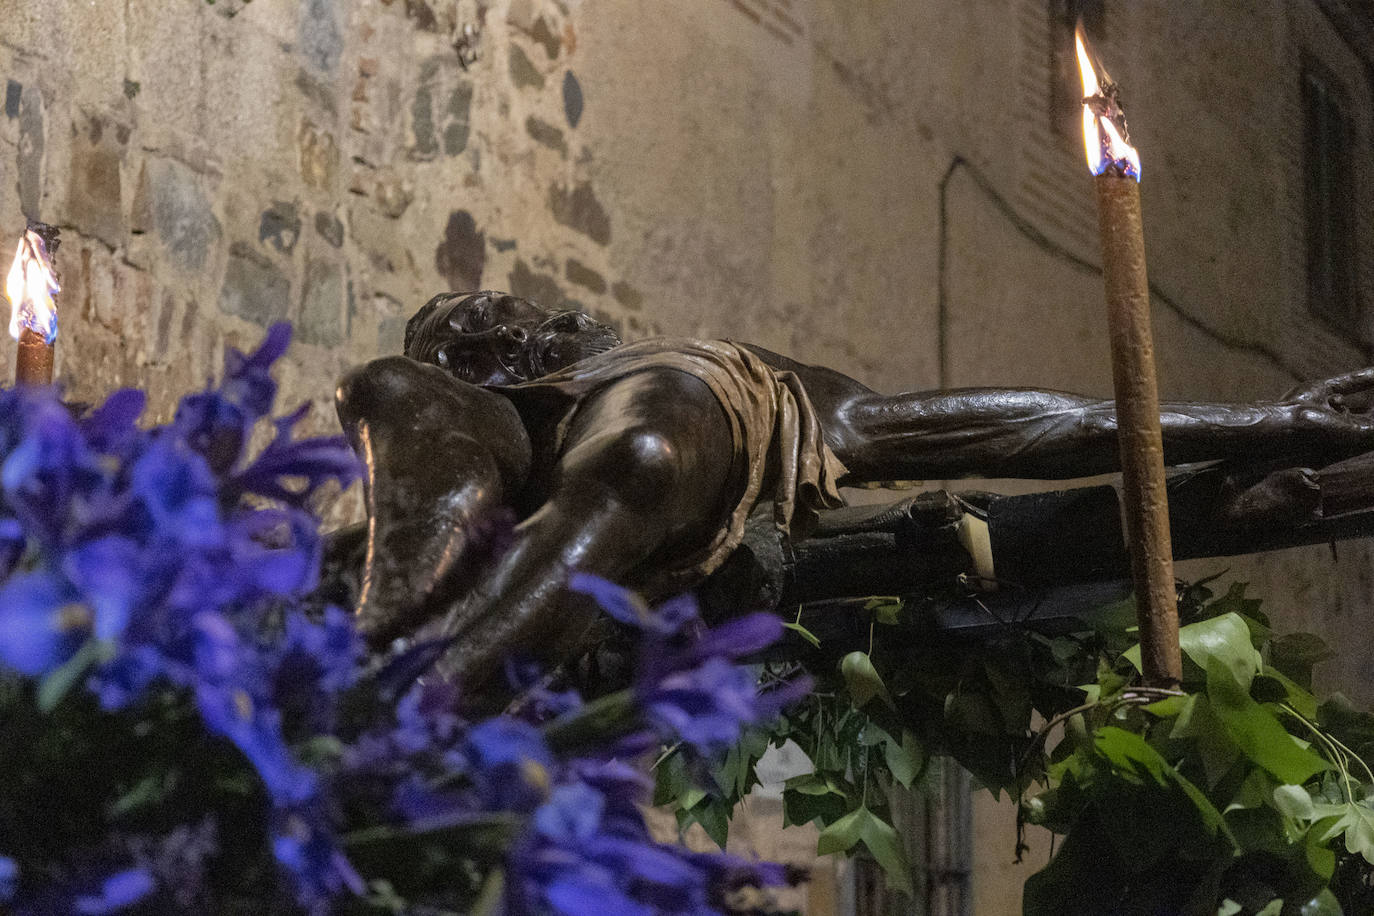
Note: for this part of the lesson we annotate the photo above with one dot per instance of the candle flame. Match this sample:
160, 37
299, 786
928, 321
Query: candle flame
1105, 139
30, 287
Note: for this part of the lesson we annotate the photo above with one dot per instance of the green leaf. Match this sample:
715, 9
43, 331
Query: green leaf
1272, 908
843, 834
878, 836
863, 680
906, 760
1293, 801
885, 609
1352, 818
811, 797
1225, 639
1214, 745
1168, 708
1324, 904
1255, 791
1132, 758
1255, 730
713, 815
1321, 860
1359, 832
1296, 653
1228, 908
803, 632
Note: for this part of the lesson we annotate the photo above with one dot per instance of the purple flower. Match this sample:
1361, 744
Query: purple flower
686, 677
9, 879
42, 623
511, 766
116, 892
303, 843
309, 463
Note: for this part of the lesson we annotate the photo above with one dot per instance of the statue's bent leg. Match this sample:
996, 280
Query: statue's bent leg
443, 460
641, 478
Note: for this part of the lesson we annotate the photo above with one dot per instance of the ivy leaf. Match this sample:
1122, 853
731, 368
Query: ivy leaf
842, 835
1272, 908
1296, 653
905, 760
1256, 731
1225, 638
863, 680
878, 836
1324, 904
811, 797
1354, 820
885, 609
1293, 801
1321, 860
1131, 756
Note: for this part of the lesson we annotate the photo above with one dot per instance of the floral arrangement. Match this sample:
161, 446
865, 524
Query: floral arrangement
185, 726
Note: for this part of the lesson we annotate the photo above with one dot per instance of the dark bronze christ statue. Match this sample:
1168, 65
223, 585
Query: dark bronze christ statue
640, 462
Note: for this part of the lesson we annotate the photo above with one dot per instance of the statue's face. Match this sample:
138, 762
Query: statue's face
491, 338
478, 338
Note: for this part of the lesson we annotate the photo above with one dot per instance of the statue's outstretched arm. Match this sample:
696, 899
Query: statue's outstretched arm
1016, 432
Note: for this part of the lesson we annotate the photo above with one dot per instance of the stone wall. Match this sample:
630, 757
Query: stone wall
876, 186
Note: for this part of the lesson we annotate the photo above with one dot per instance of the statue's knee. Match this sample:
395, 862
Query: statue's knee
643, 467
381, 383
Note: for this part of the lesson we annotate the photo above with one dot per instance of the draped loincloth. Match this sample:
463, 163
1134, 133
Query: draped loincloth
776, 438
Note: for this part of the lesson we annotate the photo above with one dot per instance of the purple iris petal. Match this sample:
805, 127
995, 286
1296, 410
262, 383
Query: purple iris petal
105, 571
620, 603
587, 893
116, 892
9, 878
179, 491
510, 764
12, 544
571, 815
41, 623
111, 428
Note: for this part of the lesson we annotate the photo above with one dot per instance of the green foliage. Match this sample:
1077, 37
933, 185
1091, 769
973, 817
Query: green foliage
1233, 795
1238, 795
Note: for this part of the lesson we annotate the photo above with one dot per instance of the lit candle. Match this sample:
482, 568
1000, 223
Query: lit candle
1117, 166
30, 287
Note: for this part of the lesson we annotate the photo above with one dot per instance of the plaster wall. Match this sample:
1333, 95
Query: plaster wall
874, 186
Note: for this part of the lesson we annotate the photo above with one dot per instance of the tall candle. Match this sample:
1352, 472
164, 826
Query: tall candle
1116, 165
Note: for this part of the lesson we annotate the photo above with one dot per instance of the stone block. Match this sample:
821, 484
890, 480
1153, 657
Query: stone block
584, 276
32, 146
254, 288
94, 202
179, 211
319, 156
522, 70
578, 208
462, 254
330, 228
320, 39
321, 305
280, 226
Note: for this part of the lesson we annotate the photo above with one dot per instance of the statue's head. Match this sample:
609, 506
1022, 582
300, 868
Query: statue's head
490, 338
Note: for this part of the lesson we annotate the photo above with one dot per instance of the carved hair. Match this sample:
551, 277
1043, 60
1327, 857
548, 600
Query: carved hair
527, 349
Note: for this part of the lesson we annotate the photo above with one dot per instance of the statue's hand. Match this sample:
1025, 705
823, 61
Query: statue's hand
1352, 392
1343, 406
